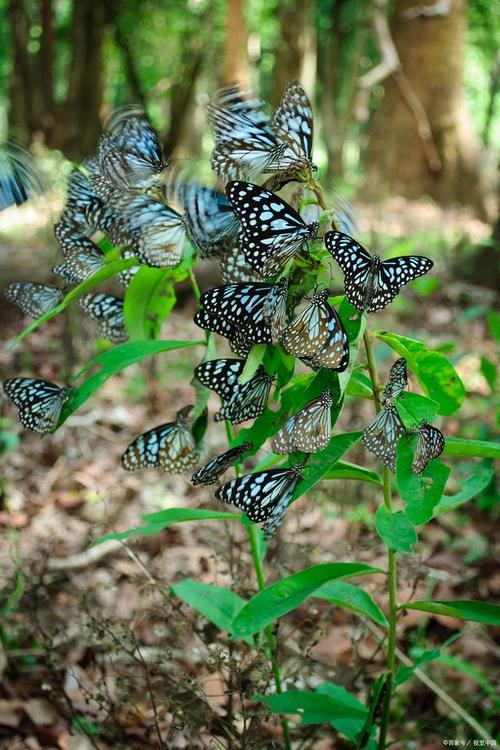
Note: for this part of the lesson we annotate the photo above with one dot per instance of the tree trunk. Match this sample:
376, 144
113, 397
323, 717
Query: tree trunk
402, 156
296, 50
235, 58
21, 114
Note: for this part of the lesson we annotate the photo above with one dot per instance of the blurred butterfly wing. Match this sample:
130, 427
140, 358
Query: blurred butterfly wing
20, 177
107, 311
382, 435
234, 268
32, 298
211, 471
293, 120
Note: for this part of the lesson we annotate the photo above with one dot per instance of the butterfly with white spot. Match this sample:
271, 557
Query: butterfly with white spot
170, 447
234, 268
271, 230
107, 311
317, 336
39, 402
20, 176
82, 257
211, 471
382, 435
32, 298
309, 430
430, 445
370, 282
397, 382
242, 401
263, 496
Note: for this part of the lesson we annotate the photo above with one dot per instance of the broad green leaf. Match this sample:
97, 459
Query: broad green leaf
110, 269
435, 374
254, 360
395, 529
322, 462
470, 487
413, 407
149, 300
493, 318
219, 605
489, 371
110, 363
467, 609
352, 320
466, 447
164, 518
346, 470
421, 493
348, 596
314, 708
288, 593
359, 386
351, 727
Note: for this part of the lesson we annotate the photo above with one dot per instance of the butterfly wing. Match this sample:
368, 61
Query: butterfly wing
220, 375
293, 121
398, 380
248, 400
32, 298
107, 311
430, 445
211, 471
355, 262
393, 274
144, 451
382, 435
234, 268
39, 402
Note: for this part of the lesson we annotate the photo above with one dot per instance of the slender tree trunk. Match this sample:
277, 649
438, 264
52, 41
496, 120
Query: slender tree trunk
296, 50
46, 65
235, 57
21, 114
407, 155
181, 102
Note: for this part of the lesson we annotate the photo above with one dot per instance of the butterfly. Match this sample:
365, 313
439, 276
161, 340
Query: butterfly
211, 472
32, 298
107, 312
82, 256
130, 153
210, 220
245, 313
382, 435
309, 430
293, 123
317, 335
39, 402
20, 177
234, 268
398, 380
430, 445
263, 496
242, 400
125, 277
271, 230
370, 282
158, 231
170, 447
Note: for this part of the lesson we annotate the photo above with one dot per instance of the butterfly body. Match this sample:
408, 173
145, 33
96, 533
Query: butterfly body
211, 471
430, 445
39, 402
242, 401
309, 430
382, 435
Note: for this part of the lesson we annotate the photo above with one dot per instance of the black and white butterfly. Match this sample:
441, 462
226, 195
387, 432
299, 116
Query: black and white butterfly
234, 268
211, 471
309, 430
210, 220
263, 496
107, 311
317, 336
430, 445
242, 401
370, 282
170, 447
125, 277
271, 230
293, 123
158, 231
39, 402
397, 382
32, 298
245, 313
82, 257
20, 176
383, 433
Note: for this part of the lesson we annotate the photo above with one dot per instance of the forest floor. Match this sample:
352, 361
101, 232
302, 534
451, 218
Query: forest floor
98, 654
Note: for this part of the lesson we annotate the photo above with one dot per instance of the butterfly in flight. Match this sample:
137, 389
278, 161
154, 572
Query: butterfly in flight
246, 314
82, 257
430, 445
370, 282
107, 311
170, 447
317, 336
158, 231
382, 435
20, 177
397, 382
211, 471
263, 496
39, 402
32, 298
242, 401
271, 230
309, 430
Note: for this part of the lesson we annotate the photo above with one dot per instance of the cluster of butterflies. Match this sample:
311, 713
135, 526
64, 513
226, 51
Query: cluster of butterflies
383, 433
124, 192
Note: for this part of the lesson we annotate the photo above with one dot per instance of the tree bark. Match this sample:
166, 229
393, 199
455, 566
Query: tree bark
425, 93
235, 58
296, 50
21, 114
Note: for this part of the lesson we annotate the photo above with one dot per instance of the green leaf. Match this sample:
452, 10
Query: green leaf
359, 386
413, 407
110, 363
470, 487
219, 605
315, 708
348, 726
288, 593
435, 374
467, 609
489, 371
323, 462
254, 360
493, 319
165, 518
476, 448
404, 672
421, 493
348, 596
109, 270
346, 470
395, 529
149, 300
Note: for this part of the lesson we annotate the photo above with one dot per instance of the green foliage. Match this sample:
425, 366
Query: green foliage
219, 605
348, 596
484, 612
469, 488
395, 530
421, 493
333, 705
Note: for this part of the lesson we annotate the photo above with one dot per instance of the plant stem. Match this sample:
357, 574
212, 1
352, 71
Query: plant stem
195, 287
392, 562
